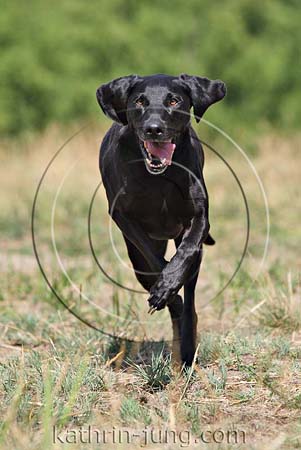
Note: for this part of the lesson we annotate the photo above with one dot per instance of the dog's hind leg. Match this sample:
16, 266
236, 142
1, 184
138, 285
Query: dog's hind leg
176, 310
189, 318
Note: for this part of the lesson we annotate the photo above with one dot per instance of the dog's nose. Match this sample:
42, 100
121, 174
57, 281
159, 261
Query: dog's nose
153, 130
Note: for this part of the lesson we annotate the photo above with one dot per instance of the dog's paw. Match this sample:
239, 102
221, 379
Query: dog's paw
160, 295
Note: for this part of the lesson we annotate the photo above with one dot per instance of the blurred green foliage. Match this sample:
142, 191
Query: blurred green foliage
55, 54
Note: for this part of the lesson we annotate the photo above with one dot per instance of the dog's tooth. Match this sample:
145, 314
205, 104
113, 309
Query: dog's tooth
163, 160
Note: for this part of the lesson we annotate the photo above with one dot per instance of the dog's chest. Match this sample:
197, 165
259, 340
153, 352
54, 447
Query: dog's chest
163, 202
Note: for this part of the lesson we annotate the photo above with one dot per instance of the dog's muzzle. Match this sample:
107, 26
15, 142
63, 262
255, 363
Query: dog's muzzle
157, 155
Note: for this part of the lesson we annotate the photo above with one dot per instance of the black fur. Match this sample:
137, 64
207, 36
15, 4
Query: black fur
150, 209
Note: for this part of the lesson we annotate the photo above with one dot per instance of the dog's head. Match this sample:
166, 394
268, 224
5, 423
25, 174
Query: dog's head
157, 107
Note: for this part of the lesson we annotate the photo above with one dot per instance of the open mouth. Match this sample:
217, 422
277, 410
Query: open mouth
158, 155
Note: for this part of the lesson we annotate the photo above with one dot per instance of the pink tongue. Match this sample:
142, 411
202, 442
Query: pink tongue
161, 150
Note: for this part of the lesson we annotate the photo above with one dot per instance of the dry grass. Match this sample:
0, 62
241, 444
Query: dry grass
56, 371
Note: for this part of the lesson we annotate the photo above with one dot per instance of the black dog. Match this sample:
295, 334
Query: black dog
151, 163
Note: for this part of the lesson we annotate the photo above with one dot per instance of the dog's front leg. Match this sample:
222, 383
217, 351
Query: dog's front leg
140, 239
177, 270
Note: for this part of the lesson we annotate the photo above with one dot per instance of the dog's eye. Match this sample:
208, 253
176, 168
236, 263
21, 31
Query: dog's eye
140, 101
173, 102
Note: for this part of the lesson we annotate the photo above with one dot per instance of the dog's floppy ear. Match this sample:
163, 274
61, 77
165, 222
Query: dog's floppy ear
112, 97
203, 92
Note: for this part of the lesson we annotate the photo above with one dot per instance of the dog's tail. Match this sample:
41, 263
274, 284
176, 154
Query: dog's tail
209, 240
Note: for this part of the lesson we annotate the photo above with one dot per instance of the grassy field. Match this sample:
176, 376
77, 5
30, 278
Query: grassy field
58, 376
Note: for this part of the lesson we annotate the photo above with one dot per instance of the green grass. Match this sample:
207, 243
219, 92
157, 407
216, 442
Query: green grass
156, 374
55, 371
